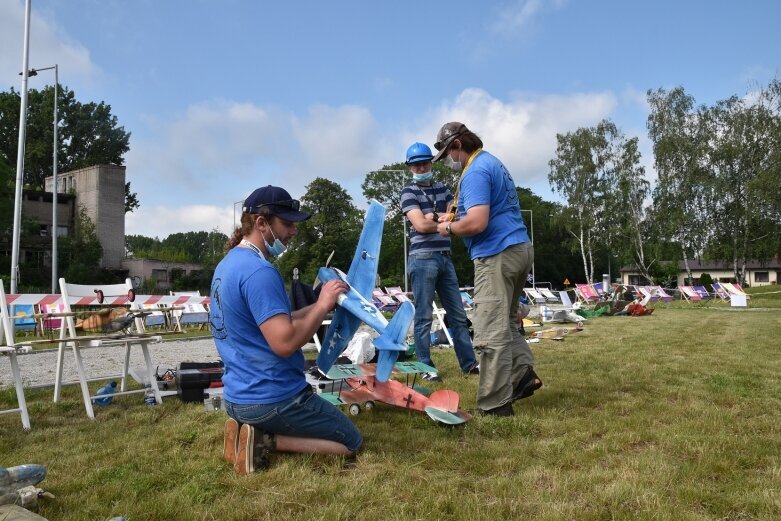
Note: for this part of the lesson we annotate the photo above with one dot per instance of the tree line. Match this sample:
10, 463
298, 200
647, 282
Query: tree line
717, 195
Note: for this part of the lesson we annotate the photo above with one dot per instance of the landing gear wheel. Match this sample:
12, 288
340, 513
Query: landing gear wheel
354, 409
369, 405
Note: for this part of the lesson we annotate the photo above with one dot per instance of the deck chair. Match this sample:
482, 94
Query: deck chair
549, 295
600, 290
24, 318
397, 293
156, 317
383, 301
735, 289
191, 314
586, 293
702, 292
50, 323
534, 296
720, 291
649, 292
440, 314
11, 350
662, 294
689, 294
111, 294
467, 300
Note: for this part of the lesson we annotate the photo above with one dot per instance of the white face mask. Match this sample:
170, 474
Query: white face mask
455, 165
277, 248
422, 178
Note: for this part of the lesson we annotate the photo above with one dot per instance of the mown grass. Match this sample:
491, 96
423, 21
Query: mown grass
672, 416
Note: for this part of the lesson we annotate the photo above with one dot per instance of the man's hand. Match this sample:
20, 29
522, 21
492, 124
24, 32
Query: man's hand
442, 228
330, 292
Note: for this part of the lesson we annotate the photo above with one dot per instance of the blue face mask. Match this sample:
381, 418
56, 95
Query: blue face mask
277, 249
422, 178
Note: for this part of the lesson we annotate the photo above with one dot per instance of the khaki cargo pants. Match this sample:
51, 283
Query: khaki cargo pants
504, 354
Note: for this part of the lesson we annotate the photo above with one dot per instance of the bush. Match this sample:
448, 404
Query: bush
706, 279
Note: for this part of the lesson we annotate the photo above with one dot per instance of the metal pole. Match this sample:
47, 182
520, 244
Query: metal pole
531, 232
20, 152
54, 182
404, 236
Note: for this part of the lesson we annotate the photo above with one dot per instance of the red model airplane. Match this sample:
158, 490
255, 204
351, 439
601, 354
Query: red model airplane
355, 385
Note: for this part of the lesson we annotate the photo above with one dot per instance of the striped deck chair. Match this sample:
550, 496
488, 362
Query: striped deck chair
720, 291
51, 323
397, 293
23, 318
383, 301
586, 293
647, 292
466, 300
535, 296
689, 294
660, 293
734, 289
549, 295
156, 318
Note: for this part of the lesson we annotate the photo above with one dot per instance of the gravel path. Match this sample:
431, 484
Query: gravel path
39, 367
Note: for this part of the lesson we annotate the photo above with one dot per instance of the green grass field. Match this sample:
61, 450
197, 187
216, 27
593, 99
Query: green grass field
673, 416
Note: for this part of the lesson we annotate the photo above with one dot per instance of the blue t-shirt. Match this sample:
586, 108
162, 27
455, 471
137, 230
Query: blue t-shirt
487, 181
246, 291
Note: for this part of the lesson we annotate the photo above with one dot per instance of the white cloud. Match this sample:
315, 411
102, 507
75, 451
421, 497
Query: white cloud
518, 15
522, 131
189, 172
48, 45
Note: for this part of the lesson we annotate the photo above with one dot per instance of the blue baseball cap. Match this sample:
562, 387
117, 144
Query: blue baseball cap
275, 201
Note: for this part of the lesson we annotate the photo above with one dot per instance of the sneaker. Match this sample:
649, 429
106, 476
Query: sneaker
431, 377
474, 370
254, 450
231, 440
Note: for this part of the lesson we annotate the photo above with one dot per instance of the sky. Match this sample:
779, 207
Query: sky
222, 97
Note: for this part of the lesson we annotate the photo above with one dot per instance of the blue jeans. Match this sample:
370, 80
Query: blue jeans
305, 415
430, 272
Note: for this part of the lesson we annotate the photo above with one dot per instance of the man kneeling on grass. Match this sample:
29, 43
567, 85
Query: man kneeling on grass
270, 404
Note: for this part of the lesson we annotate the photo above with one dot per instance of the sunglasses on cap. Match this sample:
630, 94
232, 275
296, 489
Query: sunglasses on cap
441, 144
293, 204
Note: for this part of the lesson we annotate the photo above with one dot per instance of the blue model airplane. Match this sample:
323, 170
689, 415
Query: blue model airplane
355, 306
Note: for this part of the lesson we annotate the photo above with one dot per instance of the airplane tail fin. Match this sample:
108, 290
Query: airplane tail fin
393, 340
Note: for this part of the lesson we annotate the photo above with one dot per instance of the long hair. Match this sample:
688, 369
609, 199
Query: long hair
247, 224
470, 141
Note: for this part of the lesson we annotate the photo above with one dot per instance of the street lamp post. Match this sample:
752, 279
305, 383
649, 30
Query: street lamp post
531, 233
403, 226
20, 152
34, 72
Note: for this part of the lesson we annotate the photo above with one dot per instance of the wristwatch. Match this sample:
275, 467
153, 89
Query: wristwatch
448, 230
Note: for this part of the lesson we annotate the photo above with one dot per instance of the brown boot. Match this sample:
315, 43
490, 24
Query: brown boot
231, 440
254, 450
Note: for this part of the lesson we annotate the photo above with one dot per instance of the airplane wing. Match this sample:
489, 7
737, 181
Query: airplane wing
363, 270
343, 326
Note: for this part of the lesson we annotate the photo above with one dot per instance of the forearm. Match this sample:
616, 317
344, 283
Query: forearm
286, 335
467, 226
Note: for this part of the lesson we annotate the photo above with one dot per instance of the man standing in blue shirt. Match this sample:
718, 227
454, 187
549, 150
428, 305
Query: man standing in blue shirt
490, 221
270, 404
430, 266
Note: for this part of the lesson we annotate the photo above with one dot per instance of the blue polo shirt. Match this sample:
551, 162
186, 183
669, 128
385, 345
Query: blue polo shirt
435, 198
487, 181
246, 291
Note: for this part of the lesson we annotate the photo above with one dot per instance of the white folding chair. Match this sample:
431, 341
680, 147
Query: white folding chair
112, 294
10, 349
440, 314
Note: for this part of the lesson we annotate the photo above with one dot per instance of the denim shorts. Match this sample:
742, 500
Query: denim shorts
305, 415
